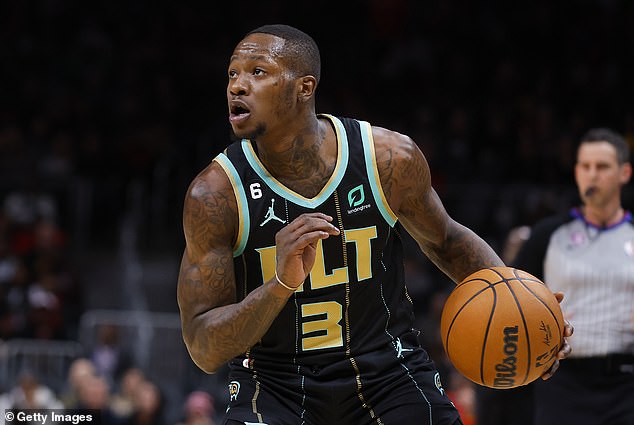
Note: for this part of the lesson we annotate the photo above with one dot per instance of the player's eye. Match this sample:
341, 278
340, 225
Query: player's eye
258, 71
232, 73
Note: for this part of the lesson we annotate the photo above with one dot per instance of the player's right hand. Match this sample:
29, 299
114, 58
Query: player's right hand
296, 246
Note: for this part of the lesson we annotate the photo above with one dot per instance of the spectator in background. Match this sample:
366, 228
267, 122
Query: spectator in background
25, 207
148, 405
588, 253
45, 315
8, 263
14, 322
58, 288
94, 394
40, 296
108, 355
199, 409
30, 393
80, 370
122, 401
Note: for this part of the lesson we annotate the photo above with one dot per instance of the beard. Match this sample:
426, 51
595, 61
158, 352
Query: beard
259, 130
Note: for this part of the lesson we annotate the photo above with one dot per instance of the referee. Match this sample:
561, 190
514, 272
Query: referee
588, 253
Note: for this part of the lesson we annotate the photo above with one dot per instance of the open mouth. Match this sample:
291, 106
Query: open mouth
238, 111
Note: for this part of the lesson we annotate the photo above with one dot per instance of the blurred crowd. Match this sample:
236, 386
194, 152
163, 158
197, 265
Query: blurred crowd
132, 399
40, 295
100, 101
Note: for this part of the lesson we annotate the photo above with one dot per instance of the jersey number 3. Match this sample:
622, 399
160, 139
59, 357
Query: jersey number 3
324, 330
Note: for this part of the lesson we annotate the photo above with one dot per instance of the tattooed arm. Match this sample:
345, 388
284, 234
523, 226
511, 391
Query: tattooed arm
406, 181
215, 327
455, 249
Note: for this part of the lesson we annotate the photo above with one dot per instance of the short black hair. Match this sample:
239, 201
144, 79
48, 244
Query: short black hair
612, 137
300, 50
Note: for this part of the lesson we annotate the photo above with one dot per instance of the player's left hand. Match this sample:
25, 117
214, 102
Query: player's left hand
566, 349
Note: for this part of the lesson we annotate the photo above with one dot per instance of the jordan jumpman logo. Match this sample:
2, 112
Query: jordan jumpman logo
270, 215
400, 350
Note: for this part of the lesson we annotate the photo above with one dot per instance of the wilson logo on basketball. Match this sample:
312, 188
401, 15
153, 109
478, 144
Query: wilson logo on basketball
505, 376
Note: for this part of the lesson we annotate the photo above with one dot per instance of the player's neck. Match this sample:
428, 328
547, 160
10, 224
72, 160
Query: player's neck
281, 151
304, 159
603, 216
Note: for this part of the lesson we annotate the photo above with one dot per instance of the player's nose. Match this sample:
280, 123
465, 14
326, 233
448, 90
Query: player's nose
239, 85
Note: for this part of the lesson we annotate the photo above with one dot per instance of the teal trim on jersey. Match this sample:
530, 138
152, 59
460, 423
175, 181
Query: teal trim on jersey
373, 174
241, 199
286, 193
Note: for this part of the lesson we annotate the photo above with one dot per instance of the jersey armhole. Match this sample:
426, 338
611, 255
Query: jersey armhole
241, 201
372, 171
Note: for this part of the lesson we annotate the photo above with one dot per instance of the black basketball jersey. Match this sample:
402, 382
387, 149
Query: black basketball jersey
354, 299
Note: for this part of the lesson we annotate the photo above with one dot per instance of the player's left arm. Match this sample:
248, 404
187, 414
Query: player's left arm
406, 181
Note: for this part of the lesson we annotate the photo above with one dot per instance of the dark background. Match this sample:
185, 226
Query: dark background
115, 92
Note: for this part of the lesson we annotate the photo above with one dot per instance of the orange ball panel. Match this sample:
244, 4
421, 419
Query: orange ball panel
501, 327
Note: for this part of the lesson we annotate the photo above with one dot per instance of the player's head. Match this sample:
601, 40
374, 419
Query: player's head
273, 74
602, 167
300, 52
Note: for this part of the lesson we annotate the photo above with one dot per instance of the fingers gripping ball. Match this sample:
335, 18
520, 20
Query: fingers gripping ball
502, 327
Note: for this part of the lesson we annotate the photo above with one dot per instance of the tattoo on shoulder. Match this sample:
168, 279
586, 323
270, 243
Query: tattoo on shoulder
210, 214
401, 167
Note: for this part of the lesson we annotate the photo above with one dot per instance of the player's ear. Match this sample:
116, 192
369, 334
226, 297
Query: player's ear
626, 172
306, 86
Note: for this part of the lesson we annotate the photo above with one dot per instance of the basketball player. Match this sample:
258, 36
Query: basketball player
589, 254
293, 266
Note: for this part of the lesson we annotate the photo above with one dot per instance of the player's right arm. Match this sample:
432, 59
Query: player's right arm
215, 327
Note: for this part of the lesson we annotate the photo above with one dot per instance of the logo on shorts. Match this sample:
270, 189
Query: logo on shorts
234, 390
438, 384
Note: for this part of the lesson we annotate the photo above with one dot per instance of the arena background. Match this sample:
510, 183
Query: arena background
108, 109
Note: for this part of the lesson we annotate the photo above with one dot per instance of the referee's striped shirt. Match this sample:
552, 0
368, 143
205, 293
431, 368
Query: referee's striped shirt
594, 268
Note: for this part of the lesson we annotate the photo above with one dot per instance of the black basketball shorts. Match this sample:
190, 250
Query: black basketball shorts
389, 387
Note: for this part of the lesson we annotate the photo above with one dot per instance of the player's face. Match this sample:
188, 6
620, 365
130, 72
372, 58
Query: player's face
598, 173
261, 90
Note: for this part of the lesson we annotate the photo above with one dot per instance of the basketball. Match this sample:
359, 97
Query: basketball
502, 327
